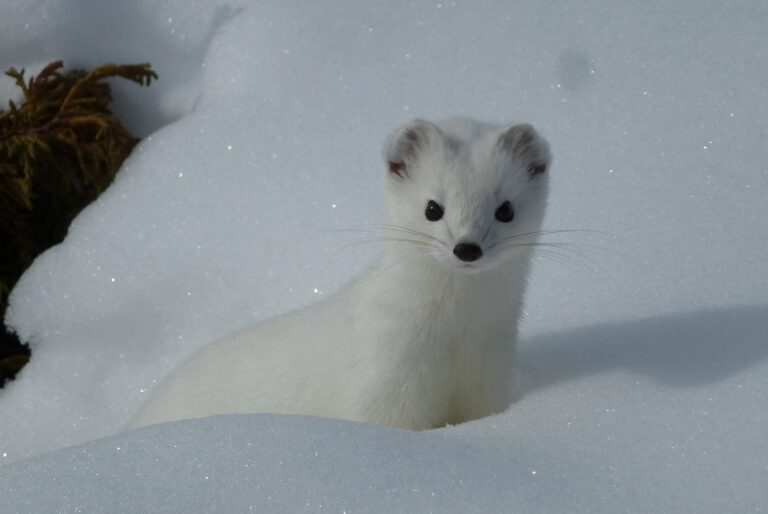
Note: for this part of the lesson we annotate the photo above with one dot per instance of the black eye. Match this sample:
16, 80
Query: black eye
434, 211
505, 213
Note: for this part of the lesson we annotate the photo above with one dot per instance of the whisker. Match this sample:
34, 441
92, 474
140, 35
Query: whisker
413, 242
409, 230
566, 250
567, 246
564, 259
555, 231
398, 240
389, 227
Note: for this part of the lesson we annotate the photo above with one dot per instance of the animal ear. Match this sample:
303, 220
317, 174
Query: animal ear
405, 145
522, 141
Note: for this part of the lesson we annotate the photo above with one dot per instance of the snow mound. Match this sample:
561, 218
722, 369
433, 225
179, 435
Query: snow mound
644, 350
267, 463
263, 463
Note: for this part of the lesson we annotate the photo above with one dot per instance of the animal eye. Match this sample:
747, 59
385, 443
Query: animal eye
505, 213
536, 168
434, 211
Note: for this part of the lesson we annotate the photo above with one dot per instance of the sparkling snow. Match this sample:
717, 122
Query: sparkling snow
644, 351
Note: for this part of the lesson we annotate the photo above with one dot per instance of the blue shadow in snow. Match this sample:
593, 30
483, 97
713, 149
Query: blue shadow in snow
680, 350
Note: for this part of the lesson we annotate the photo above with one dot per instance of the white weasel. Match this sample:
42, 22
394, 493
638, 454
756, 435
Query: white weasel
427, 337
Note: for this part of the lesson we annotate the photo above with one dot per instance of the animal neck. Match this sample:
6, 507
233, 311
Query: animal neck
416, 287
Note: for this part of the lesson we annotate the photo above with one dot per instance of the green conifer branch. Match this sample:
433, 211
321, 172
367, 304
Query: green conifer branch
59, 149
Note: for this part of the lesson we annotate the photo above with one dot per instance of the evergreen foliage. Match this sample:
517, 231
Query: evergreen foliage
59, 149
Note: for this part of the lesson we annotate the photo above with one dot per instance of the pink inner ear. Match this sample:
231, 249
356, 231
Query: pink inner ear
398, 168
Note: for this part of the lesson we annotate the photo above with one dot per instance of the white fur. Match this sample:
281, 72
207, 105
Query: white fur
423, 339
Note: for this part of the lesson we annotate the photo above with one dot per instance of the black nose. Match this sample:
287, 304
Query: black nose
467, 252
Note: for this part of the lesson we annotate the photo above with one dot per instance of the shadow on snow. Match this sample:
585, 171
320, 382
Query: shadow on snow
677, 350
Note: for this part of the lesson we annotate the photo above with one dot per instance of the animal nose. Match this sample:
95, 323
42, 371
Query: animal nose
467, 252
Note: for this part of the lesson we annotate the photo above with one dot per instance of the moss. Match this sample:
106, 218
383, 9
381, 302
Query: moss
59, 149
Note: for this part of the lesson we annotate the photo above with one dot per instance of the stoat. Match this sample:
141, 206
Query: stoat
427, 336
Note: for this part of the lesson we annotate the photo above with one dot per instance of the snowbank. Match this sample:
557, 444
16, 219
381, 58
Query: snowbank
645, 351
267, 463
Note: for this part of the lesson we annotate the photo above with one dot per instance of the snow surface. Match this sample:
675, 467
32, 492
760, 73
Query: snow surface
645, 351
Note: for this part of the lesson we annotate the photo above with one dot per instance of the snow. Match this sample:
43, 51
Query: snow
644, 351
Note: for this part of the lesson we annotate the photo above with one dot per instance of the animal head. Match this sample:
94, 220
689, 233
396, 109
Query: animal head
470, 194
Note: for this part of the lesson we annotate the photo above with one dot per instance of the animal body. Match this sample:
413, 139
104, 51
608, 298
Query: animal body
427, 336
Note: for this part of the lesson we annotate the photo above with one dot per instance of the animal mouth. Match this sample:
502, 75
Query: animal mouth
466, 267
